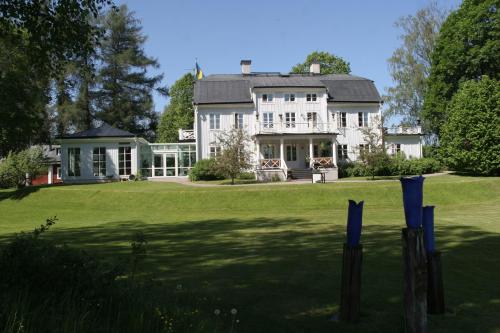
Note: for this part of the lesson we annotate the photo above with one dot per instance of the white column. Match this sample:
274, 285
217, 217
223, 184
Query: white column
334, 151
49, 175
311, 151
282, 160
257, 145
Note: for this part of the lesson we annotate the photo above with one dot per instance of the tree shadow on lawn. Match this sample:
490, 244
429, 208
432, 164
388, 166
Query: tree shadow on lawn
283, 275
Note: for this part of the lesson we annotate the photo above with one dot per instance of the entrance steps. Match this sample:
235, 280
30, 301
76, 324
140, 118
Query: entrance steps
300, 173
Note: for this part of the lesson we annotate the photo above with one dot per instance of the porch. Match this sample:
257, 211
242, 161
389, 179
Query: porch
282, 156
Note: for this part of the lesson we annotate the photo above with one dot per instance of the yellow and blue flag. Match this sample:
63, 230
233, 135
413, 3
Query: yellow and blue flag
198, 72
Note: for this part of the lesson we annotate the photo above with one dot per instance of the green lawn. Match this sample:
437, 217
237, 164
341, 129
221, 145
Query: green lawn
274, 251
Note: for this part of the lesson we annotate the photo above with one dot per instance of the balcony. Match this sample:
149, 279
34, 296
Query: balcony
403, 130
294, 128
186, 135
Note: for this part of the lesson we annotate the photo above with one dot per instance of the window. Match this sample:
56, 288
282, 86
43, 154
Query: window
311, 97
238, 120
58, 173
312, 119
343, 119
342, 152
362, 119
291, 152
289, 97
58, 151
99, 161
290, 119
268, 119
124, 161
74, 162
395, 148
268, 151
214, 151
267, 97
214, 121
364, 148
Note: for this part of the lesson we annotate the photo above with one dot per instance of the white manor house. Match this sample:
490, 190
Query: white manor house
296, 122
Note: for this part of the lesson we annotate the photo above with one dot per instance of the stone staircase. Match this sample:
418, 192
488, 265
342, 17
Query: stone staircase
301, 173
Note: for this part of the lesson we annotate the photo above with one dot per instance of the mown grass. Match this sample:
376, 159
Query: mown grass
274, 251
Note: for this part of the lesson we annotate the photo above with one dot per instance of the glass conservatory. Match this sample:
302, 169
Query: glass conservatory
167, 159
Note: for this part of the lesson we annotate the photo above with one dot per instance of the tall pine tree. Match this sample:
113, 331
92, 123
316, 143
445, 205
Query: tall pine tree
179, 113
125, 97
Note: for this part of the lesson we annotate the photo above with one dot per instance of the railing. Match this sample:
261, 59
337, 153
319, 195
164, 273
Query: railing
322, 162
186, 135
270, 163
295, 127
403, 130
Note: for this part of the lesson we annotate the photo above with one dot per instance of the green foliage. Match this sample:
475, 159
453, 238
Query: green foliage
179, 113
466, 49
410, 63
235, 156
330, 64
205, 170
15, 167
125, 94
247, 176
471, 137
390, 166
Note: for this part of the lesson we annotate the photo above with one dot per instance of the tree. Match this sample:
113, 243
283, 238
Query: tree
375, 157
410, 64
235, 157
125, 98
179, 113
16, 166
466, 49
329, 64
470, 138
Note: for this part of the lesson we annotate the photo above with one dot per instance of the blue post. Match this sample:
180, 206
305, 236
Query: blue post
428, 225
354, 222
412, 200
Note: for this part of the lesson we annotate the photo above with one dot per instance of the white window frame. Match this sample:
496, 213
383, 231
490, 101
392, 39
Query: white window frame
214, 121
238, 120
214, 151
311, 97
58, 173
100, 162
312, 119
290, 98
363, 119
74, 169
123, 154
269, 152
342, 152
268, 119
395, 148
290, 118
267, 98
342, 119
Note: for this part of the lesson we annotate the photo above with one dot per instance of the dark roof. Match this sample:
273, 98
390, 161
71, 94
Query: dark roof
236, 88
103, 131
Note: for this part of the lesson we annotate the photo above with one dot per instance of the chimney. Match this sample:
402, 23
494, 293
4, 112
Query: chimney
245, 66
315, 68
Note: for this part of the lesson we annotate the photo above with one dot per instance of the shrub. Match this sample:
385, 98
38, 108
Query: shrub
15, 167
394, 166
205, 170
247, 176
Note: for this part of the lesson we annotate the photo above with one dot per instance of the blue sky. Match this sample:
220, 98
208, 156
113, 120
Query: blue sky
275, 35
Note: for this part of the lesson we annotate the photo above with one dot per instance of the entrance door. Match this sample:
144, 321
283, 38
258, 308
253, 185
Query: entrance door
170, 164
158, 165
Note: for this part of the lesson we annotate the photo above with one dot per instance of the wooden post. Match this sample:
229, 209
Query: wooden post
435, 288
350, 292
415, 281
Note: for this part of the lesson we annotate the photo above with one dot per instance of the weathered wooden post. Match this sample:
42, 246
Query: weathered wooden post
350, 290
435, 287
414, 258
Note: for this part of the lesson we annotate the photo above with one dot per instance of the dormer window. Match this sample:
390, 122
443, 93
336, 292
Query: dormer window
311, 97
289, 97
267, 97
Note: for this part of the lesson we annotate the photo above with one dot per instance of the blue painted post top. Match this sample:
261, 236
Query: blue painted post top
412, 200
354, 222
428, 225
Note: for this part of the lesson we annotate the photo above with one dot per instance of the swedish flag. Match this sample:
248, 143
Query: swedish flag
198, 72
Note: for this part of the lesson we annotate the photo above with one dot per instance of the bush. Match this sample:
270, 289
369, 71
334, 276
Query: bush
394, 166
15, 166
205, 170
247, 176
